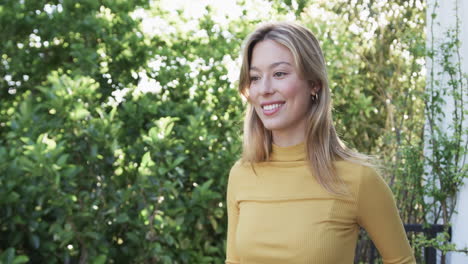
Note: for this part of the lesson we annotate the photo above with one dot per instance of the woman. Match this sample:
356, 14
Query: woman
298, 195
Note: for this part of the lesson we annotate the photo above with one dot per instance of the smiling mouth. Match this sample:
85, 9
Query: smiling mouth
271, 109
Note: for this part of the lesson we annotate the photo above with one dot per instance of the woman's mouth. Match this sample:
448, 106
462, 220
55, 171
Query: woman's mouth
271, 109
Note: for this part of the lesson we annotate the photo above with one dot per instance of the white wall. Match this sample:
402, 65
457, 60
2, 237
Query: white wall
446, 19
460, 220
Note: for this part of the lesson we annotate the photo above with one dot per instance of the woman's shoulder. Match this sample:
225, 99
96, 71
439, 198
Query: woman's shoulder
239, 169
240, 165
355, 172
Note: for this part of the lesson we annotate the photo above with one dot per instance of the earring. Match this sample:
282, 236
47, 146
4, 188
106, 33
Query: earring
314, 97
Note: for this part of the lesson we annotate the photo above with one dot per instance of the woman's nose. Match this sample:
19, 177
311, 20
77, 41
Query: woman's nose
266, 86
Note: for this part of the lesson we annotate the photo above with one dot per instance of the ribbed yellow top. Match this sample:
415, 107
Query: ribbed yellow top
282, 215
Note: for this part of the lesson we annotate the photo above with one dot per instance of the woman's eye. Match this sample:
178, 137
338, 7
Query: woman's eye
280, 74
254, 78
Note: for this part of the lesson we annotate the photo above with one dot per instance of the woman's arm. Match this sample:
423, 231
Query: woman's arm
233, 215
378, 215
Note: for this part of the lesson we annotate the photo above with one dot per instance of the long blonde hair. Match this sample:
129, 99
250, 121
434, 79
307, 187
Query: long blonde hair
323, 146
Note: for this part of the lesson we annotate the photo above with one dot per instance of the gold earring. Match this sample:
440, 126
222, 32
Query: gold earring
314, 97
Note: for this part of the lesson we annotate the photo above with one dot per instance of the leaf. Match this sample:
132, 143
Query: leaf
8, 256
62, 160
35, 241
101, 259
79, 114
57, 178
146, 160
13, 197
213, 222
178, 160
206, 185
21, 259
93, 235
94, 150
154, 134
122, 218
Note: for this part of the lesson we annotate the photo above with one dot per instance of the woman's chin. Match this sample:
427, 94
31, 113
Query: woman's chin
272, 127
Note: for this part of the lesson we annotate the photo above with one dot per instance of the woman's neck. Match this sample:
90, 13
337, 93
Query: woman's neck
286, 139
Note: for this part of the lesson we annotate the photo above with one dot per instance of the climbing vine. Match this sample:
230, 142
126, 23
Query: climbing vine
433, 171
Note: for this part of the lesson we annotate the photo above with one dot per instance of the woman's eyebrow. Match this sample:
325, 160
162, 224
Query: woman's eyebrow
273, 65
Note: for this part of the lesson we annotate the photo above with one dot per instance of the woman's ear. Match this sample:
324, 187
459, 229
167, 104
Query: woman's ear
316, 86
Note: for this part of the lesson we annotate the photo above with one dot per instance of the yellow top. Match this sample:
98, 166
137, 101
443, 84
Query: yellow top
282, 215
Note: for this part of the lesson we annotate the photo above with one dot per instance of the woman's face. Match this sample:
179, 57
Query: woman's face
280, 96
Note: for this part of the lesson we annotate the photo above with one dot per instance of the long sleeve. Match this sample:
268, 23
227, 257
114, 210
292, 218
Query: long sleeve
233, 216
378, 214
279, 213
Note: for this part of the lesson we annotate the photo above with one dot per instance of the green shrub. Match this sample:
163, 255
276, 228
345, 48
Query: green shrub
95, 169
84, 180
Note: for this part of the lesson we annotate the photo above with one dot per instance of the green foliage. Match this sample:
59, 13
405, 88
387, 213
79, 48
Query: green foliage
433, 168
93, 168
116, 142
9, 257
82, 183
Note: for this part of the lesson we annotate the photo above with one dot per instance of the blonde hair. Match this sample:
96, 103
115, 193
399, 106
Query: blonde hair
323, 146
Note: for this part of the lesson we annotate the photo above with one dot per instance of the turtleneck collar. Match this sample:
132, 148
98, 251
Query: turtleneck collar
291, 153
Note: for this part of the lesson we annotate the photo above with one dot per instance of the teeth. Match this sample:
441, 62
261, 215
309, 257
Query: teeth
271, 107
